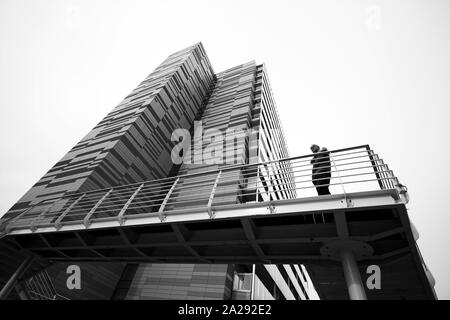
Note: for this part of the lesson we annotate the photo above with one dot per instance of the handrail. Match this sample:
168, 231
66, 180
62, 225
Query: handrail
230, 167
285, 178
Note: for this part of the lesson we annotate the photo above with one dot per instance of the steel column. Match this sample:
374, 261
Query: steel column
351, 273
22, 292
252, 297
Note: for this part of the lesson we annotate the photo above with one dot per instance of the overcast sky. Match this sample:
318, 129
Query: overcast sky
343, 73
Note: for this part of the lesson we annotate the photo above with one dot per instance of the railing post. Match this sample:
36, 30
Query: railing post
43, 213
257, 183
127, 204
86, 221
61, 217
339, 174
346, 202
380, 169
166, 199
9, 224
375, 168
211, 196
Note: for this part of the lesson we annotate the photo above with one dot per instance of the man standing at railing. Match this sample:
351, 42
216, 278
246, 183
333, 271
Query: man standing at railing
321, 171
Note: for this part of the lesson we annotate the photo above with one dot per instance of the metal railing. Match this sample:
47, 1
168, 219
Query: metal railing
345, 171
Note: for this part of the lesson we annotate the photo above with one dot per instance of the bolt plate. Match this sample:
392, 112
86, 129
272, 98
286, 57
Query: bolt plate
360, 249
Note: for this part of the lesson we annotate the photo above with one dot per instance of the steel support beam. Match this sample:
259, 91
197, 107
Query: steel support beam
127, 241
21, 291
249, 230
12, 282
180, 231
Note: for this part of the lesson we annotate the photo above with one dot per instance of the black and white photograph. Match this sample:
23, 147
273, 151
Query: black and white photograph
248, 152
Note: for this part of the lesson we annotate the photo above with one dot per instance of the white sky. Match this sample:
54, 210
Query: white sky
343, 73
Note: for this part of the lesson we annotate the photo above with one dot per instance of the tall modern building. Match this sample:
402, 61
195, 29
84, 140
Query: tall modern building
231, 118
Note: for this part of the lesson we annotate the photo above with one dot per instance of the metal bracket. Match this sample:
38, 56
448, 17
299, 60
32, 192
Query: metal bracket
162, 217
271, 208
360, 249
211, 213
402, 191
347, 203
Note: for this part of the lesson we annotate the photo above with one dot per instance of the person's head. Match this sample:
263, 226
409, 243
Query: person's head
315, 148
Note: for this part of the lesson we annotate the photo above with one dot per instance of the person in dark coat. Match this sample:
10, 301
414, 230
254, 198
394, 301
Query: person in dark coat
321, 171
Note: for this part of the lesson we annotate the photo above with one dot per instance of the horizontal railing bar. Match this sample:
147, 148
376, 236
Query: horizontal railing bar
237, 166
283, 178
226, 179
278, 172
266, 192
223, 190
190, 207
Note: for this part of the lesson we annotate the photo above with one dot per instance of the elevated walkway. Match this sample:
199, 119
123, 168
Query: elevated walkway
363, 222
